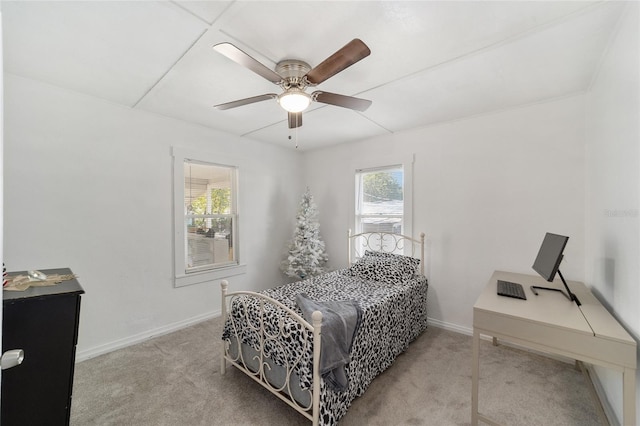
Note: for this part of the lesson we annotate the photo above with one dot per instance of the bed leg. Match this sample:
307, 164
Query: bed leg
317, 327
224, 284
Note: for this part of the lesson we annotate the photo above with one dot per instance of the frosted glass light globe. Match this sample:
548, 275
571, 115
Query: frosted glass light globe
294, 100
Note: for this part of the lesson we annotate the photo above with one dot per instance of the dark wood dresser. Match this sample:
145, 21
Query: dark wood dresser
42, 321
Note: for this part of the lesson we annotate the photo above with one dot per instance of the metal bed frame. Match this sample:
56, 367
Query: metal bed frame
259, 366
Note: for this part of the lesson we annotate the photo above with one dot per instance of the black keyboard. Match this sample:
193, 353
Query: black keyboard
509, 289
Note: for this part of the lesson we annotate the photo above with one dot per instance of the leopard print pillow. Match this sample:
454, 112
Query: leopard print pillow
382, 269
407, 265
365, 268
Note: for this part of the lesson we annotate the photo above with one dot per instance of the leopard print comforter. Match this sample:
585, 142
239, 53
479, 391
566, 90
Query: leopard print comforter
393, 315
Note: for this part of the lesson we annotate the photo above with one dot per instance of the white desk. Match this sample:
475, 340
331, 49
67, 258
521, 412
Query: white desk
551, 323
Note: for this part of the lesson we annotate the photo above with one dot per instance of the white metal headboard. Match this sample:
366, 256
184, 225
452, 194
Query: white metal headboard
385, 242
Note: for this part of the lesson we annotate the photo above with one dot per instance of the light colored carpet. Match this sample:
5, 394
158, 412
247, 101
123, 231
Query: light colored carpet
175, 380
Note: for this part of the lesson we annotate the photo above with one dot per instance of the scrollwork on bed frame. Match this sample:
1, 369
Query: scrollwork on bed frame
385, 242
260, 362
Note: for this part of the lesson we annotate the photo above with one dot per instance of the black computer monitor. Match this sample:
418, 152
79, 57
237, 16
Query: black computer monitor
547, 263
550, 255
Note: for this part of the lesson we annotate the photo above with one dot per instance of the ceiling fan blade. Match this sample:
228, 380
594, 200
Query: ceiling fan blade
246, 101
341, 100
240, 57
351, 53
295, 120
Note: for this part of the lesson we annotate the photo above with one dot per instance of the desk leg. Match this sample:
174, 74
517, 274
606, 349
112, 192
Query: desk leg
475, 373
629, 397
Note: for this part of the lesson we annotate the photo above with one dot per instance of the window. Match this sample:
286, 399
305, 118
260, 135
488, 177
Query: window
209, 218
380, 200
205, 217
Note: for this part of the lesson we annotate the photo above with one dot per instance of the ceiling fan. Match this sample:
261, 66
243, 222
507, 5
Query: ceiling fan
294, 76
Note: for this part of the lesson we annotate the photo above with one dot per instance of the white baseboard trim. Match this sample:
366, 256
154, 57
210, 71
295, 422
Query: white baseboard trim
170, 328
593, 376
448, 326
141, 337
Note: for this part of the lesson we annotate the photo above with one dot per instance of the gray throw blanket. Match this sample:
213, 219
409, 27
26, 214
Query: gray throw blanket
340, 322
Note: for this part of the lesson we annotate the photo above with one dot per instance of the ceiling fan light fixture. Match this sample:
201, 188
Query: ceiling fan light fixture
294, 100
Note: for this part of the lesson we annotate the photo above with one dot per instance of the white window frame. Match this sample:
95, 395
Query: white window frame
382, 163
181, 276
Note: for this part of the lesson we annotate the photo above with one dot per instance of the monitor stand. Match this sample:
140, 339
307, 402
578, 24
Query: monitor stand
569, 295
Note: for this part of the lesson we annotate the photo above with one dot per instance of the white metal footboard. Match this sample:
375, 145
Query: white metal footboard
261, 364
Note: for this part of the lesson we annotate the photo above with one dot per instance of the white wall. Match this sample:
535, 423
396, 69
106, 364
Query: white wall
612, 237
486, 189
88, 186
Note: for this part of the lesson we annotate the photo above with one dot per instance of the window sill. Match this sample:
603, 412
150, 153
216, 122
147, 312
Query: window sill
208, 276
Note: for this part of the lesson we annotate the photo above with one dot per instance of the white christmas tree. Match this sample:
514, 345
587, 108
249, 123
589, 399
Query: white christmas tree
306, 256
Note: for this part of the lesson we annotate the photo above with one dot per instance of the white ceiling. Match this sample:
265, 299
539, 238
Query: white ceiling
431, 61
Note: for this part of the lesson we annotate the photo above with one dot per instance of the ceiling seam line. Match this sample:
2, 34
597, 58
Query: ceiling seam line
376, 123
153, 86
508, 40
262, 128
612, 37
184, 9
224, 12
499, 110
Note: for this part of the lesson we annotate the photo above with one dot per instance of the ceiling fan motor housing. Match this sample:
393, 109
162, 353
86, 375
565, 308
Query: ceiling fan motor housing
292, 72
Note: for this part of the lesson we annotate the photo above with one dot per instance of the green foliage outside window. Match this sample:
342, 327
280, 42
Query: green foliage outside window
220, 202
381, 186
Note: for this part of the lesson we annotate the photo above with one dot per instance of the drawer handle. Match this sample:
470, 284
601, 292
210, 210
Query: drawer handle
11, 358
